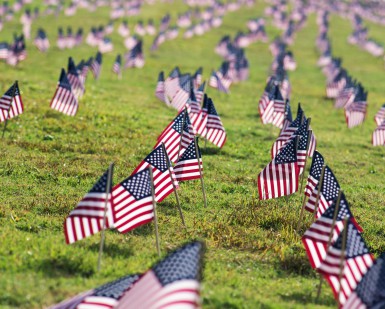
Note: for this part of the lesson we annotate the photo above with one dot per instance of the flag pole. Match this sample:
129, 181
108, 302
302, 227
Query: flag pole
108, 192
181, 133
10, 106
155, 215
200, 171
344, 238
330, 238
173, 185
319, 191
309, 134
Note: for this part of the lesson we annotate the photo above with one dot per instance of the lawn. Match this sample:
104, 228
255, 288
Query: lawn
254, 258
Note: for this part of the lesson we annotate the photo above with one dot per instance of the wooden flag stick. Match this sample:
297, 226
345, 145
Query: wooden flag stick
330, 238
108, 192
181, 133
10, 106
309, 134
173, 185
321, 180
200, 170
155, 215
342, 260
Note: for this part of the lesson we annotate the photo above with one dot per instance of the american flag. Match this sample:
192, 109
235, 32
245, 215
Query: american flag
64, 100
315, 173
288, 116
329, 192
200, 92
159, 91
356, 261
172, 283
355, 114
132, 202
4, 50
279, 109
197, 78
378, 138
171, 83
41, 41
116, 68
345, 97
217, 83
96, 65
200, 121
265, 103
174, 138
379, 118
87, 218
134, 58
193, 109
369, 292
178, 101
74, 79
280, 176
317, 238
11, 103
163, 182
106, 296
215, 132
61, 41
302, 150
187, 167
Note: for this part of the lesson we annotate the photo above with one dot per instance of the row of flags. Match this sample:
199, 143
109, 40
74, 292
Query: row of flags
347, 93
15, 52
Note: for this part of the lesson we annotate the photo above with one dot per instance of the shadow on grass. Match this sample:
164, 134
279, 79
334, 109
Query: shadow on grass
63, 266
113, 250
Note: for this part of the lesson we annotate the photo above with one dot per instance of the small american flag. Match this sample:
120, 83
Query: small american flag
64, 100
96, 65
87, 218
369, 292
74, 79
159, 91
187, 167
171, 83
266, 105
302, 150
356, 262
315, 173
132, 202
176, 139
280, 176
11, 103
41, 41
180, 98
200, 121
200, 92
163, 182
329, 192
197, 78
279, 109
379, 118
355, 114
116, 68
378, 138
215, 132
217, 83
288, 116
172, 283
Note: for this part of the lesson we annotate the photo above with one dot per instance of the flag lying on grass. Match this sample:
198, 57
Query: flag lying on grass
173, 282
87, 218
11, 103
64, 100
280, 176
187, 167
132, 202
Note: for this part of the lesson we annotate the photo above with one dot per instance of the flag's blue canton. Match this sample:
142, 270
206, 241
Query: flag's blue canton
116, 288
202, 87
383, 105
198, 72
224, 68
343, 209
101, 185
161, 77
71, 67
17, 90
80, 66
371, 289
98, 58
355, 244
187, 124
330, 186
118, 59
288, 154
211, 108
302, 132
182, 264
89, 62
139, 185
288, 114
10, 91
192, 97
177, 126
298, 119
184, 82
190, 152
64, 82
278, 95
316, 165
157, 159
175, 73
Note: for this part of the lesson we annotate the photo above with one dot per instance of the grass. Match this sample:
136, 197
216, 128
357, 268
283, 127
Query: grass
254, 259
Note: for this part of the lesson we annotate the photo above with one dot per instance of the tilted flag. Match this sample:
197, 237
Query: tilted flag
64, 100
171, 283
355, 113
328, 193
171, 83
96, 65
280, 176
11, 103
159, 91
175, 138
88, 216
187, 167
216, 82
178, 101
323, 233
370, 291
279, 109
378, 138
379, 118
74, 79
163, 173
215, 132
356, 261
117, 67
315, 173
132, 202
